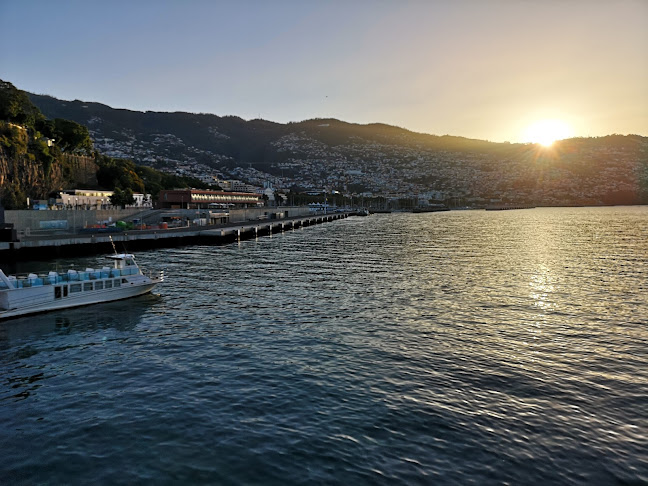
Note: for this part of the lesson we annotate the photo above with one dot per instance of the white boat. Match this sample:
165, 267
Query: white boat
21, 295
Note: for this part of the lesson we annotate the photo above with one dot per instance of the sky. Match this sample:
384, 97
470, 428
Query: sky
485, 69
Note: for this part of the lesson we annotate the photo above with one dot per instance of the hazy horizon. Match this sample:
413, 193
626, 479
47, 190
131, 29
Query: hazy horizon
481, 70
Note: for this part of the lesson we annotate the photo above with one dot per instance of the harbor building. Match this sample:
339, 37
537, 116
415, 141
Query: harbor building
84, 199
203, 199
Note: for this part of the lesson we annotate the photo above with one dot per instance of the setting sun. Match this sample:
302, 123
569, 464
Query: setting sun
546, 132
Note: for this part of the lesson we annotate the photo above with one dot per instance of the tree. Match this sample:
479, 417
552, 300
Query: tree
13, 197
152, 180
16, 107
72, 137
122, 197
13, 140
118, 173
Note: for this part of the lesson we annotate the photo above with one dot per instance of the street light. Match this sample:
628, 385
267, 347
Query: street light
74, 216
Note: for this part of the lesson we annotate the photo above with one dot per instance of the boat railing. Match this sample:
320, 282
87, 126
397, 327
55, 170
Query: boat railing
155, 275
53, 278
21, 283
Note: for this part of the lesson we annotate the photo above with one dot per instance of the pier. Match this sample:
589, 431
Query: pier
505, 207
41, 247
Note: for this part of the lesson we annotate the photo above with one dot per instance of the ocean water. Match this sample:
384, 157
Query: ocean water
465, 347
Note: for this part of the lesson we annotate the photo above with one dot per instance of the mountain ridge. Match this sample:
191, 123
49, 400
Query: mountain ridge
40, 97
74, 110
374, 158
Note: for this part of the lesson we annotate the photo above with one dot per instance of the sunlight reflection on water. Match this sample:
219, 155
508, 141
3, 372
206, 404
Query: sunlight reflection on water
460, 347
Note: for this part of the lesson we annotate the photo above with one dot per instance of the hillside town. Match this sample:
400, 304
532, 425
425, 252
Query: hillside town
83, 145
569, 173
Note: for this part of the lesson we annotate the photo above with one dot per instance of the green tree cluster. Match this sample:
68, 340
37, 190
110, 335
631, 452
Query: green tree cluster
15, 106
122, 197
126, 178
68, 136
27, 137
17, 109
155, 181
118, 174
13, 139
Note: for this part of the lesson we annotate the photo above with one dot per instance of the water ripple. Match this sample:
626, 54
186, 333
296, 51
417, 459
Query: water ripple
445, 348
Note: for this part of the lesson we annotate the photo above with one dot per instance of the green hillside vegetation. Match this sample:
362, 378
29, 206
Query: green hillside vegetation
32, 149
126, 178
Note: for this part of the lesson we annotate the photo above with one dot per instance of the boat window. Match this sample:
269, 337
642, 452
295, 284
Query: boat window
65, 291
98, 285
117, 282
109, 284
75, 288
57, 292
87, 286
130, 261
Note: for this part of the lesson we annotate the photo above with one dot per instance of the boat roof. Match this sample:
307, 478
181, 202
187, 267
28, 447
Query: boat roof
120, 256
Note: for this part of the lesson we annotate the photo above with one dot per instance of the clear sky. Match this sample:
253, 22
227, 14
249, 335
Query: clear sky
482, 69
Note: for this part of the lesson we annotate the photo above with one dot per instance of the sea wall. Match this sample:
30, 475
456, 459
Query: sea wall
55, 245
251, 214
28, 221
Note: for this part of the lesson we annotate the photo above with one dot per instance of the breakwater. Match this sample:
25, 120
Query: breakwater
504, 207
43, 247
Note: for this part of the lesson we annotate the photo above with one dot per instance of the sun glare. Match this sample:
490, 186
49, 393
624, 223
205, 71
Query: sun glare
546, 132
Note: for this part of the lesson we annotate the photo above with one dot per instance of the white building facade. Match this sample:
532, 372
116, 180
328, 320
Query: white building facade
96, 199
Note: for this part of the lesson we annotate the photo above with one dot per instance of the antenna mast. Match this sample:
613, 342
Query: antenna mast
113, 244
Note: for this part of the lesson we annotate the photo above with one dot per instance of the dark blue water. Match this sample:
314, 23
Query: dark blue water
466, 347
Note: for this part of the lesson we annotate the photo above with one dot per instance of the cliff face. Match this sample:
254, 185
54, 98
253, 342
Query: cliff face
39, 156
23, 175
79, 170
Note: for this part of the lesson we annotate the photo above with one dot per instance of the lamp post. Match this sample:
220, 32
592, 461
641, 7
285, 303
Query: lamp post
74, 216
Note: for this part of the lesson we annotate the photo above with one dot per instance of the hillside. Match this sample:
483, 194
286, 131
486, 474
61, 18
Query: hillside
205, 138
376, 158
31, 164
40, 156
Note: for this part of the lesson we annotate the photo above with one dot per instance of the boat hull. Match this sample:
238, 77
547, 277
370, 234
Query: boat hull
21, 296
86, 298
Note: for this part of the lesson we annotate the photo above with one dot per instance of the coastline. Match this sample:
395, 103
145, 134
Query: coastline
45, 247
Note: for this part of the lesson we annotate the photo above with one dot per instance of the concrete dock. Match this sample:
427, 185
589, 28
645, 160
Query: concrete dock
42, 247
